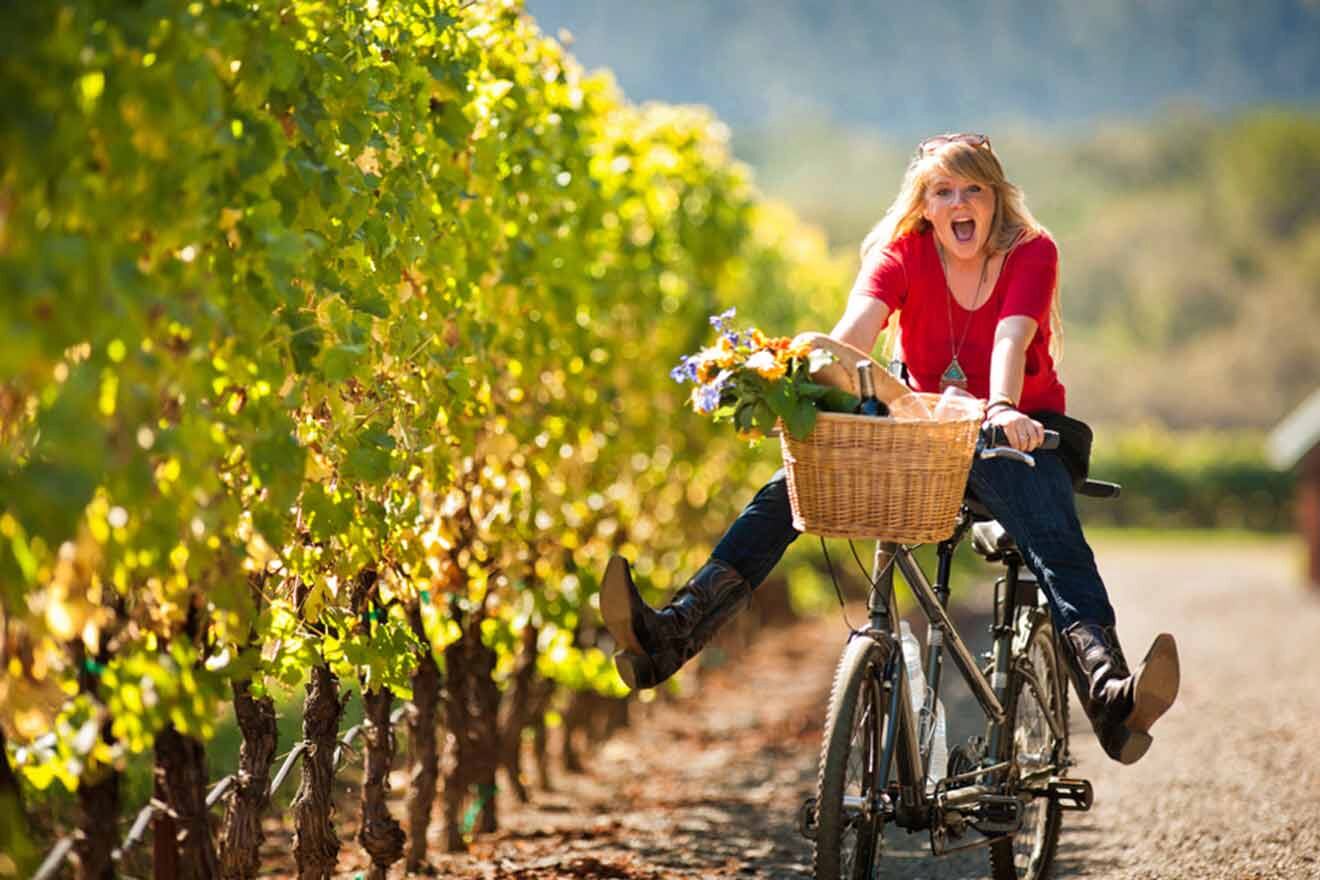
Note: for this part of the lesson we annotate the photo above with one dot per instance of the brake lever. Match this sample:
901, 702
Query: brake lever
1008, 452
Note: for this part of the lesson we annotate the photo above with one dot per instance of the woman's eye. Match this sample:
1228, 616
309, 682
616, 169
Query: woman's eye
942, 192
973, 189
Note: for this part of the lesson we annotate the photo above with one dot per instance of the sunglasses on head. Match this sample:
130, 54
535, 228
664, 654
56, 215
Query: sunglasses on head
930, 144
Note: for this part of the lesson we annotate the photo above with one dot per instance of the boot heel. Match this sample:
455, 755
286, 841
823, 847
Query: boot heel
1133, 744
636, 670
618, 604
1156, 686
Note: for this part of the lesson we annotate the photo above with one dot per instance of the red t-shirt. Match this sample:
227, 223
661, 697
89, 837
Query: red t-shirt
907, 276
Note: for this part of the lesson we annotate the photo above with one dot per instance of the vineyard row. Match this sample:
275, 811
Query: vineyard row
336, 355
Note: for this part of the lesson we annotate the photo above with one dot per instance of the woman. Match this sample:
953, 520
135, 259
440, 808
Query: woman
973, 277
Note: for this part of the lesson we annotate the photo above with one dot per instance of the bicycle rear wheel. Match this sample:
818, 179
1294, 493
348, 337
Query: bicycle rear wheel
1038, 752
847, 830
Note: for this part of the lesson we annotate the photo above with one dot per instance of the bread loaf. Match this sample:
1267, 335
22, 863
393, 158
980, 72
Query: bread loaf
842, 373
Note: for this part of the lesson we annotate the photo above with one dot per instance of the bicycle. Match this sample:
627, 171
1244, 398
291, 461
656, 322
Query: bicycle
1006, 790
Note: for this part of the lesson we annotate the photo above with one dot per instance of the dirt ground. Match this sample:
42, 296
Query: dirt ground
709, 786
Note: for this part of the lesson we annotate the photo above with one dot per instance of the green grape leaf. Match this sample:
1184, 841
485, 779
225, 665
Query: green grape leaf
342, 362
327, 514
278, 460
47, 497
305, 340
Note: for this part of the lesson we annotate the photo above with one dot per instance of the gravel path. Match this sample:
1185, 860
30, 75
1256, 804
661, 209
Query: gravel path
1231, 787
709, 786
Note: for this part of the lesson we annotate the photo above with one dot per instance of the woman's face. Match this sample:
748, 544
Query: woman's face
961, 211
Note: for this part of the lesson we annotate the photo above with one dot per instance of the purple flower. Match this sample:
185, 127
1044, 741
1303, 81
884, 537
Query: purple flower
721, 320
686, 371
706, 398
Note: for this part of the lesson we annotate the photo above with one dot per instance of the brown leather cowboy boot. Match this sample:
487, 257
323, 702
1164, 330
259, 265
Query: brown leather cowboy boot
654, 644
1122, 705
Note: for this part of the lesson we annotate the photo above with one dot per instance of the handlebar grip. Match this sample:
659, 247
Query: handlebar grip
998, 438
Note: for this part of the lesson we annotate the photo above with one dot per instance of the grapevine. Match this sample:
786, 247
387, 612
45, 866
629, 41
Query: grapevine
337, 343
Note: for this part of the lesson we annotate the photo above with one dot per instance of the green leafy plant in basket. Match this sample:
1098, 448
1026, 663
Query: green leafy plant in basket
753, 380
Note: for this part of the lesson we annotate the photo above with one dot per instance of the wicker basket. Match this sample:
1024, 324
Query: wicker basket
887, 479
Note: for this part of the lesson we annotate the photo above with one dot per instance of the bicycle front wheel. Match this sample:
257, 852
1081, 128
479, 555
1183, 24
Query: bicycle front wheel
1036, 750
847, 826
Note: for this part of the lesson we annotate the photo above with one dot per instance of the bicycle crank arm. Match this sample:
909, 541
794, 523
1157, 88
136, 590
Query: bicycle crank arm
853, 808
807, 819
996, 814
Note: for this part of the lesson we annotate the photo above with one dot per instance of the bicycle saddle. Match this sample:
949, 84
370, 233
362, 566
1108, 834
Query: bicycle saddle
992, 540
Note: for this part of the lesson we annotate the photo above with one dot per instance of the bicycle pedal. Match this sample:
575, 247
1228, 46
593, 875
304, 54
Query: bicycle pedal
1071, 794
997, 814
807, 819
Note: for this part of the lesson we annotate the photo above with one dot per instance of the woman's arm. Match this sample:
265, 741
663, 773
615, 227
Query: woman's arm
1008, 363
863, 319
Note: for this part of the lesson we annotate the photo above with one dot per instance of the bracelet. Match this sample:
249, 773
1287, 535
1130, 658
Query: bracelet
998, 402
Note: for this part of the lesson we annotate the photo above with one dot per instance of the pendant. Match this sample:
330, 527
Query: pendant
953, 375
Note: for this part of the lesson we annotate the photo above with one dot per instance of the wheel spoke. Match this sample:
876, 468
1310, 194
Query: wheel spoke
857, 783
1038, 710
848, 819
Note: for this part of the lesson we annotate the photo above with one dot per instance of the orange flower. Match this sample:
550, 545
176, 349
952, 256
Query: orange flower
726, 353
800, 350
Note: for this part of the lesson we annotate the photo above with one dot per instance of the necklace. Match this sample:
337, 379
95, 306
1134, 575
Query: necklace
954, 374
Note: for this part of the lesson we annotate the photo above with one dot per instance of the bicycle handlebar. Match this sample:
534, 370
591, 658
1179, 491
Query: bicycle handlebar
998, 447
996, 437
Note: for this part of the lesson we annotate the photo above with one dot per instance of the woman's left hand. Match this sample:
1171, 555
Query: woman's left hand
1023, 432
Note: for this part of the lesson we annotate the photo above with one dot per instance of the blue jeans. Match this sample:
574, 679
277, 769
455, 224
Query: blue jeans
1036, 506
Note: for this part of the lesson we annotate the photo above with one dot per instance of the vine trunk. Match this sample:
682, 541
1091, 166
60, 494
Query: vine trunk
380, 835
315, 844
241, 835
422, 736
183, 844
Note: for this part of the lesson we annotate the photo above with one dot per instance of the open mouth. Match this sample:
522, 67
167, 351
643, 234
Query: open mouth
964, 230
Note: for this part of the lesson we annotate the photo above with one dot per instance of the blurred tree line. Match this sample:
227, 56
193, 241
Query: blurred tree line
1188, 479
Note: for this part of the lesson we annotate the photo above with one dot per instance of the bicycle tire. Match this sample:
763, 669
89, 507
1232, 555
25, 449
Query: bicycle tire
1029, 854
857, 708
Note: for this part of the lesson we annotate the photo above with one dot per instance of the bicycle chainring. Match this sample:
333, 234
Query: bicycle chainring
966, 757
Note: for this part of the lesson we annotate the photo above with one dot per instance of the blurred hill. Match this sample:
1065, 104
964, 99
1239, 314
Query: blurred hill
942, 64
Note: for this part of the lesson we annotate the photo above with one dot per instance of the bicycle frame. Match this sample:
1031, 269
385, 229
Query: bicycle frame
903, 735
992, 787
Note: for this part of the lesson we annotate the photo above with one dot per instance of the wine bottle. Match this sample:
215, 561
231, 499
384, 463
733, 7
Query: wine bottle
870, 405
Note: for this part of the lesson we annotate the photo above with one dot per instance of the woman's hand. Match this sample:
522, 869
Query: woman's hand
1023, 432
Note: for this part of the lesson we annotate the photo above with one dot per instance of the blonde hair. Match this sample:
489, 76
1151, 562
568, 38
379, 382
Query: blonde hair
1011, 224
